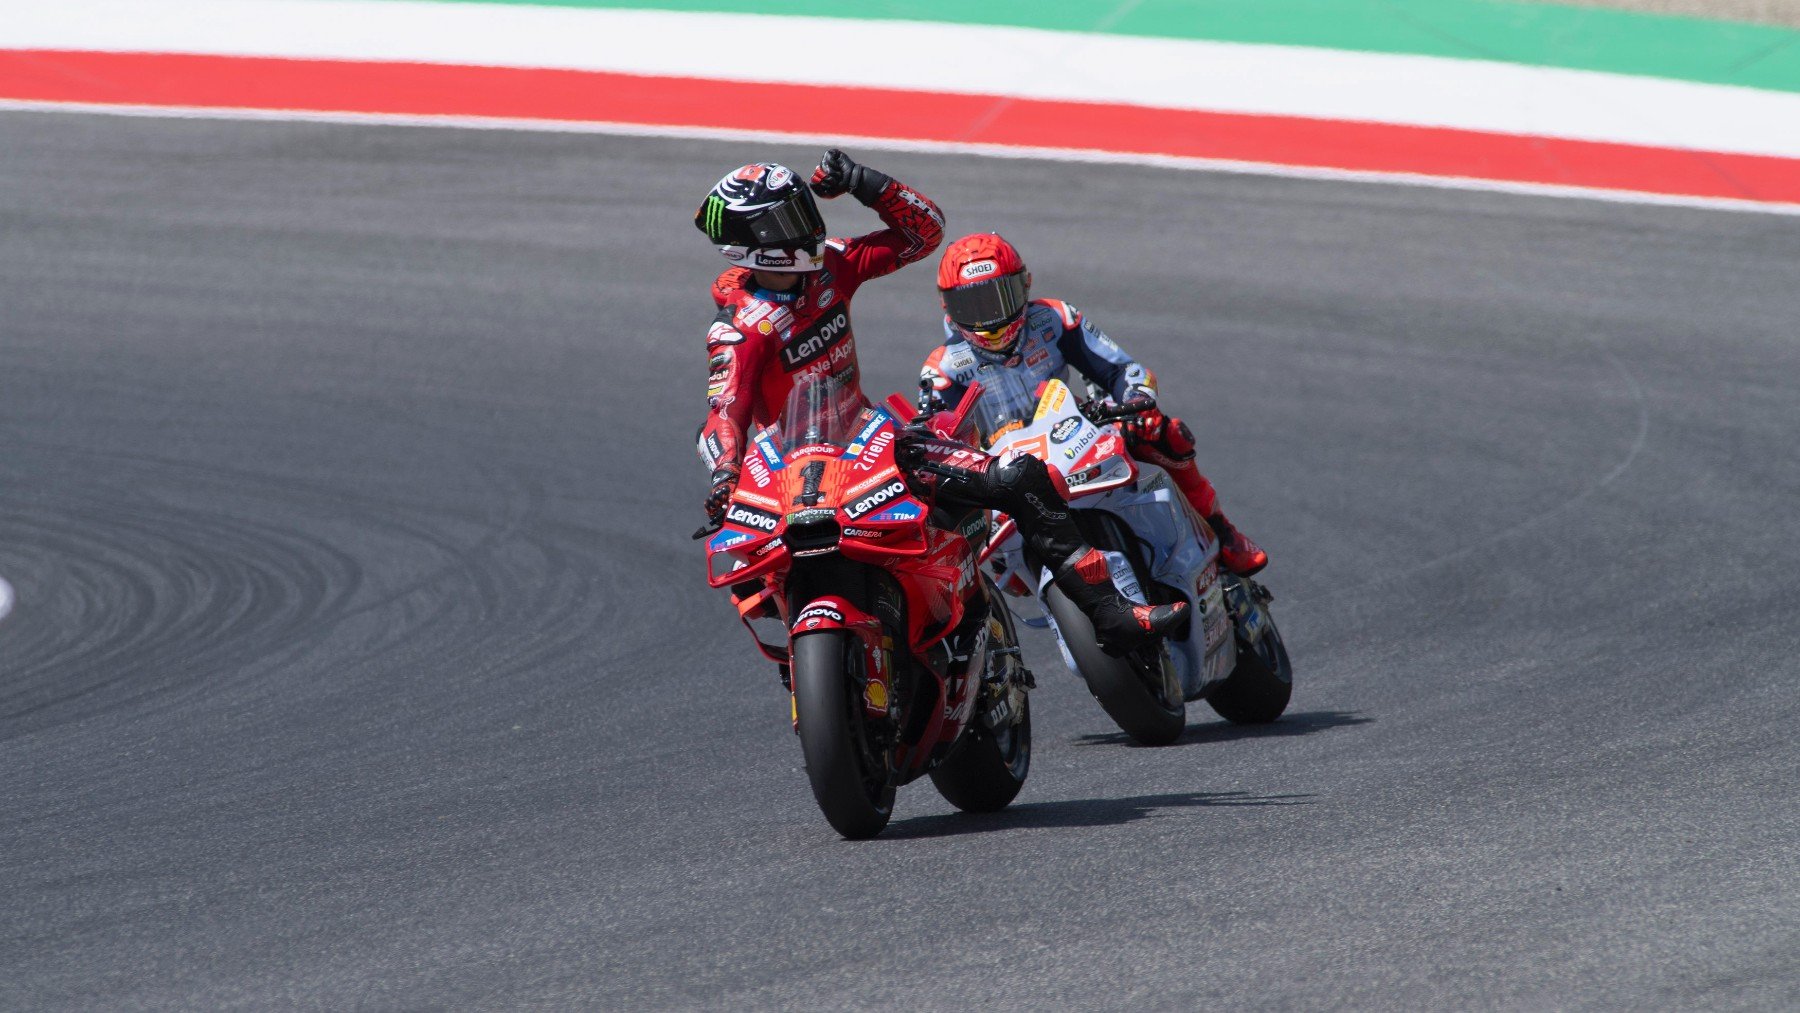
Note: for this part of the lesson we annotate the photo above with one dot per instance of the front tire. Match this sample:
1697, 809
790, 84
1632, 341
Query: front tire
1258, 689
849, 777
1122, 685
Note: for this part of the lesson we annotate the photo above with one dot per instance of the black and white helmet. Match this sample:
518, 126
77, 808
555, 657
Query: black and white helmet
763, 217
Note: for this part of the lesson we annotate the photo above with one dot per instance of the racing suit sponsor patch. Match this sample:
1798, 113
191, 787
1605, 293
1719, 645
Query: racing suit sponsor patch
816, 341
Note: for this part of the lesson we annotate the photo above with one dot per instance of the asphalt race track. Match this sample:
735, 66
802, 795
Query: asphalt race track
361, 658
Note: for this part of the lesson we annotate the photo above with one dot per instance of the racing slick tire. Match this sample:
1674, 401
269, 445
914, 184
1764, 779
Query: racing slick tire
987, 770
1258, 689
1123, 685
849, 778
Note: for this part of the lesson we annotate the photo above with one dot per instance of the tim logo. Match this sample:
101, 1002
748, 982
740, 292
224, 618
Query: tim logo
816, 341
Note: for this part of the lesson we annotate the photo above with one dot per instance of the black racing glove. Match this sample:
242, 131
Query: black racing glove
724, 483
837, 174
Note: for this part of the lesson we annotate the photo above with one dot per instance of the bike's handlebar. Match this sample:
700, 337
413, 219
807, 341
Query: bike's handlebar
1100, 411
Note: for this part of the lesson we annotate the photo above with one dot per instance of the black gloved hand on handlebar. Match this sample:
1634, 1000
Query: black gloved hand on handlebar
838, 174
1100, 412
724, 483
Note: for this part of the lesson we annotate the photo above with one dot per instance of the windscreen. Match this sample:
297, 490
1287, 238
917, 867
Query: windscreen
820, 409
1006, 403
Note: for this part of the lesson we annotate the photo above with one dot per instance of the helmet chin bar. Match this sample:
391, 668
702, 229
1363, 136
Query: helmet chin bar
1007, 337
775, 260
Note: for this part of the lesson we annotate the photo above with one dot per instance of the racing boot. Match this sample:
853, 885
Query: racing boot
1168, 443
1119, 622
1239, 554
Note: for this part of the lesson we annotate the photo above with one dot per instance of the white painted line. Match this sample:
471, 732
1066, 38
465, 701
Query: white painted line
1482, 95
6, 597
926, 147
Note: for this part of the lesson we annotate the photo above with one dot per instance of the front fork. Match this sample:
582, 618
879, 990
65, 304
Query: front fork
829, 613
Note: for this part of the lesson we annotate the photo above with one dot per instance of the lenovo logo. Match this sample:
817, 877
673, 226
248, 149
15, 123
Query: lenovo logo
817, 341
876, 498
749, 518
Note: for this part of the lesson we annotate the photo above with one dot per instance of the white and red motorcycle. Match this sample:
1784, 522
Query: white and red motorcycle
1160, 551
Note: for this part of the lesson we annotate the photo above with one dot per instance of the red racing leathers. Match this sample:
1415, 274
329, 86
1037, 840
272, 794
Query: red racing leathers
762, 342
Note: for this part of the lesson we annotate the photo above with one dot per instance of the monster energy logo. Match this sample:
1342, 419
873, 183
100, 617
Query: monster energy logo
714, 217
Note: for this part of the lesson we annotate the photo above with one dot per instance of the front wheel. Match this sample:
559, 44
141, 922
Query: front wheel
1139, 691
1258, 689
849, 774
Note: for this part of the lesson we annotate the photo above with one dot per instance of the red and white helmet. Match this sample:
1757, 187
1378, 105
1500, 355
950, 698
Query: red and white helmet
986, 288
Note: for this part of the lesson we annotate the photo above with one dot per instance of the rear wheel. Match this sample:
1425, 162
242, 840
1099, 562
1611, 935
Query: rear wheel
1258, 689
988, 768
1139, 691
848, 772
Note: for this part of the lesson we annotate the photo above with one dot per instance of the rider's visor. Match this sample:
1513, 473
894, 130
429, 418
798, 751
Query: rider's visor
987, 305
793, 224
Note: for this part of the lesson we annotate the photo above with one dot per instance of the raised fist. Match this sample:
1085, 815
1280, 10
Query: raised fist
839, 174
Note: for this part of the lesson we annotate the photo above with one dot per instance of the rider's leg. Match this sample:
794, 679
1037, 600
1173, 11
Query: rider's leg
1022, 488
1170, 446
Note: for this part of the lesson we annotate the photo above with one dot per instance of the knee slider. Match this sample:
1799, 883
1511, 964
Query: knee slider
1022, 474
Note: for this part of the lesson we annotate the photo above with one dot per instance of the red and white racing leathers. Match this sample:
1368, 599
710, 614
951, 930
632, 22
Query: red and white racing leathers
1056, 336
763, 342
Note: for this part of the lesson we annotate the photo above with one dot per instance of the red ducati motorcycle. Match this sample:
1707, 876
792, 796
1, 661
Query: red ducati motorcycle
899, 657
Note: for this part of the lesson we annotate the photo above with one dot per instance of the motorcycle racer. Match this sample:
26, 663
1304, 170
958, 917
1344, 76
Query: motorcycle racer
784, 314
990, 318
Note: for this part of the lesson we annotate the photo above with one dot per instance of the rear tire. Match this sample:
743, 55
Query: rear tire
1120, 683
1258, 689
987, 771
850, 780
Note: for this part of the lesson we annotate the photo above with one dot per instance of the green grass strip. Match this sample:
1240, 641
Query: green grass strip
1582, 38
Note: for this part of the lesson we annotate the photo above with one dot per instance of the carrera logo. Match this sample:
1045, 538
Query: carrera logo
862, 533
1065, 429
979, 269
816, 341
878, 497
750, 517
